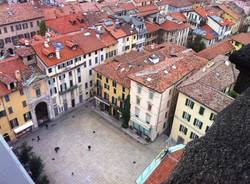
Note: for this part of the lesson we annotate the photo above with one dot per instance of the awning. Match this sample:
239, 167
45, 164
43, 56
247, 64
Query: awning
23, 127
142, 124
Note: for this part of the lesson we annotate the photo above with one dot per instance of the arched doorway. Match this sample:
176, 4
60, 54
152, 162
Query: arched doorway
42, 114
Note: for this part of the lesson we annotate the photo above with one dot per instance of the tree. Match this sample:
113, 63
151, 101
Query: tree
196, 44
43, 28
32, 163
126, 112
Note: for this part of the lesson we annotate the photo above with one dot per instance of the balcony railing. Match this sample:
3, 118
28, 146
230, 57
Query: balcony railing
69, 89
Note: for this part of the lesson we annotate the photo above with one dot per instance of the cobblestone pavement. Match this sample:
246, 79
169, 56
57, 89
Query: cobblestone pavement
110, 160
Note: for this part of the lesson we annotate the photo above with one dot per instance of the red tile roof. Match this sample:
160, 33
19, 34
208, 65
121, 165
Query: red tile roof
201, 11
151, 27
147, 10
243, 38
165, 169
221, 48
66, 24
65, 54
24, 51
172, 26
127, 6
209, 32
8, 67
177, 3
19, 12
230, 11
160, 76
178, 16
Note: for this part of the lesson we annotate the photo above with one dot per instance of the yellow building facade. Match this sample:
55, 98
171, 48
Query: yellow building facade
110, 94
14, 114
190, 121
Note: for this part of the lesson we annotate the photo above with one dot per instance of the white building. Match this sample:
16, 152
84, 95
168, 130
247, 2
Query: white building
68, 61
152, 91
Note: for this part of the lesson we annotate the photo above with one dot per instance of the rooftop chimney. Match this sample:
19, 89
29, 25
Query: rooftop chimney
18, 75
241, 59
58, 54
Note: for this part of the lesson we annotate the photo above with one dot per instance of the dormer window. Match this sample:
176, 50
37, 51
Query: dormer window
51, 55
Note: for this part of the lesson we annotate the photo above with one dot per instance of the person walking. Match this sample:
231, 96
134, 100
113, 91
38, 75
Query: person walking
89, 147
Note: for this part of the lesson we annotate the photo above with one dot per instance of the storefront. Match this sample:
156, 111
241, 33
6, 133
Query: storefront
141, 128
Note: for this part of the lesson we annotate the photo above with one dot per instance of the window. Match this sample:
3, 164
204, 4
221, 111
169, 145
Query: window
138, 100
189, 103
107, 80
90, 63
2, 113
27, 116
25, 25
114, 100
86, 85
96, 60
183, 129
106, 86
207, 128
95, 52
193, 136
106, 96
21, 92
149, 106
151, 95
70, 73
148, 118
123, 89
5, 30
123, 96
114, 90
71, 83
38, 92
12, 28
13, 123
101, 57
139, 89
50, 70
114, 84
78, 70
198, 123
10, 110
90, 72
99, 76
166, 114
24, 103
31, 24
201, 111
7, 98
186, 116
212, 116
18, 27
79, 79
91, 83
137, 112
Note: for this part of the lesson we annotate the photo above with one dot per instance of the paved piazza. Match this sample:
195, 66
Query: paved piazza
110, 160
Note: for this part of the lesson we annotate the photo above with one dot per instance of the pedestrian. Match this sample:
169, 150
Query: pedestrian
57, 149
47, 126
89, 147
38, 138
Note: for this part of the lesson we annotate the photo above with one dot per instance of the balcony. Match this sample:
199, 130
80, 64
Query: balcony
68, 90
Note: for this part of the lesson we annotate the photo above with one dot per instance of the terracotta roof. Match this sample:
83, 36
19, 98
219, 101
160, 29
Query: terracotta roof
172, 26
177, 3
8, 67
230, 11
165, 169
140, 1
65, 53
207, 84
164, 74
178, 16
201, 11
88, 7
147, 10
67, 24
209, 35
151, 27
19, 12
127, 6
243, 38
120, 67
221, 48
24, 51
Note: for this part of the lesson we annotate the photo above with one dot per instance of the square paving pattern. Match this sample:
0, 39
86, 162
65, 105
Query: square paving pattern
110, 160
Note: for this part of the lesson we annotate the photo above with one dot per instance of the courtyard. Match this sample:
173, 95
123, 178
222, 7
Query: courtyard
115, 158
